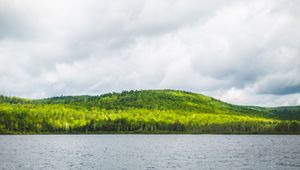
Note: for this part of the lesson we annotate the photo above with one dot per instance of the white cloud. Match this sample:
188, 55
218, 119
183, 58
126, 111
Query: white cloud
245, 52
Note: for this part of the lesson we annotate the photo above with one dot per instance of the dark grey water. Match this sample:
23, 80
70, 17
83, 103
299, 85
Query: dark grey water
150, 152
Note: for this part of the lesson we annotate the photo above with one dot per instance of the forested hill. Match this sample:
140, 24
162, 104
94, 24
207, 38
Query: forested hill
145, 111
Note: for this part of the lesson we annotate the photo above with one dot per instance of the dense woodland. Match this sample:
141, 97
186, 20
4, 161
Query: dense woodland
146, 111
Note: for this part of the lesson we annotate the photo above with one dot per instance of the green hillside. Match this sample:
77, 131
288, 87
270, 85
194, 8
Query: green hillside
145, 111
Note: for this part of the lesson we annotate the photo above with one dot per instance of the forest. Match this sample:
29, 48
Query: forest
143, 111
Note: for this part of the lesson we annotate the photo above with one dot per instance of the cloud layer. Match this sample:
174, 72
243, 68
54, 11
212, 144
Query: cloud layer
245, 52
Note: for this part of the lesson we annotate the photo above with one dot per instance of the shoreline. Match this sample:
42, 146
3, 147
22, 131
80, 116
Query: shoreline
144, 133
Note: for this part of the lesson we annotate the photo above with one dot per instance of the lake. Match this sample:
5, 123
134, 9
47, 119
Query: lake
150, 152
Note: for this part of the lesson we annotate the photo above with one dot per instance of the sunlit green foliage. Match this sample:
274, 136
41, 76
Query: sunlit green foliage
147, 111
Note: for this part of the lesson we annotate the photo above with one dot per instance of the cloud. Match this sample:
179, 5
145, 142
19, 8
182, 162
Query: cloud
245, 52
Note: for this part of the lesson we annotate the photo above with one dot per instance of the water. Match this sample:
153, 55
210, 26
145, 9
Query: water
150, 152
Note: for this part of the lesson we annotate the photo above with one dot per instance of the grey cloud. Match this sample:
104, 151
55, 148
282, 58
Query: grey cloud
237, 51
11, 24
279, 88
286, 90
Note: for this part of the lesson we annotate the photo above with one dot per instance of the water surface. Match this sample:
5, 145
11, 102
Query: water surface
150, 152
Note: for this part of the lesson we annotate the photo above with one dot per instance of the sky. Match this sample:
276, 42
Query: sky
239, 51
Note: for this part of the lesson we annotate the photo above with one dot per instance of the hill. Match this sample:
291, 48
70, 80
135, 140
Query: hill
145, 111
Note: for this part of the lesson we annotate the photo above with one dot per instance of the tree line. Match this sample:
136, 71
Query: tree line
59, 118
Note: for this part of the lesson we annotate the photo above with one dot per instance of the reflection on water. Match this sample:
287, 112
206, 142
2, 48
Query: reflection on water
150, 152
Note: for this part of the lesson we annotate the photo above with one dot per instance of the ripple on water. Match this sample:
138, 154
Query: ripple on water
150, 152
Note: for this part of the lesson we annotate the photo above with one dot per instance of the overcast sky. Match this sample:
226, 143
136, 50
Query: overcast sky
243, 52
